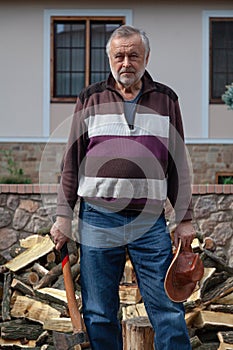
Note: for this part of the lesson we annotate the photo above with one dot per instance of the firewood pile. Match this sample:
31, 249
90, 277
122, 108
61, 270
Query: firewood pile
34, 303
32, 293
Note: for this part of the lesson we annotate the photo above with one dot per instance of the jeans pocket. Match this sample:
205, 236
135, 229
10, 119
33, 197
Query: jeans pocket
88, 207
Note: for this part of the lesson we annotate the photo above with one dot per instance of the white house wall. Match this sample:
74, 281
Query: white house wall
176, 35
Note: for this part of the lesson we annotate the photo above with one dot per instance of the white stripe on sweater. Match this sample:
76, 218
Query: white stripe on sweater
122, 188
116, 124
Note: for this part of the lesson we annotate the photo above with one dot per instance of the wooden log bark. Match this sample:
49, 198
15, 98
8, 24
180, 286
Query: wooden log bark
195, 342
53, 295
22, 287
138, 334
219, 262
15, 250
53, 274
218, 292
17, 344
39, 269
43, 338
29, 277
21, 329
215, 279
6, 296
227, 309
75, 271
225, 337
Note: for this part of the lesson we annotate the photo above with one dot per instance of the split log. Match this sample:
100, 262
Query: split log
17, 344
205, 281
129, 273
190, 317
39, 269
209, 318
6, 296
55, 295
227, 299
33, 310
20, 329
22, 287
214, 280
218, 292
138, 334
133, 311
30, 241
129, 294
30, 255
225, 346
228, 309
61, 324
53, 274
225, 337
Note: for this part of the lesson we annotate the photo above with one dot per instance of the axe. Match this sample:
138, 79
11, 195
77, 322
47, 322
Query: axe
65, 341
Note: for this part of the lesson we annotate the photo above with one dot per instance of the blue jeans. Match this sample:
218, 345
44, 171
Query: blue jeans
102, 269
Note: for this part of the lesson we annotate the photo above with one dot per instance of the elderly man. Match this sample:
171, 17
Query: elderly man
125, 157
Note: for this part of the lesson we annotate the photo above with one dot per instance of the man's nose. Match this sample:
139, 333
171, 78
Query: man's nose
126, 61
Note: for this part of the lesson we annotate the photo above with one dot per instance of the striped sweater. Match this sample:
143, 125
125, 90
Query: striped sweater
121, 166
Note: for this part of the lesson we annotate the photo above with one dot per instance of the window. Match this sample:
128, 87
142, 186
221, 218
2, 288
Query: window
78, 55
221, 57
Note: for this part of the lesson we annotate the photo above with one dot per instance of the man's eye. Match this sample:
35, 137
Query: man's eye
118, 57
133, 56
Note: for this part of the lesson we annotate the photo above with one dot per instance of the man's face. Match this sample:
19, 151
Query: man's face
127, 59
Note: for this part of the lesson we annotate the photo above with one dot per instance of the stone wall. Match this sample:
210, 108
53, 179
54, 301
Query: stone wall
206, 160
28, 209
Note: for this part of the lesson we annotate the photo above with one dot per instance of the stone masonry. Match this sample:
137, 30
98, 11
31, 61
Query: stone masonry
28, 209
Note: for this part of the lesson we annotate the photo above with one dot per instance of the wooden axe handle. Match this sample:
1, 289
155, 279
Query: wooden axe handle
76, 319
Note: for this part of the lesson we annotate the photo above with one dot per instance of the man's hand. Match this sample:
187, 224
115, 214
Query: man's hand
186, 232
61, 231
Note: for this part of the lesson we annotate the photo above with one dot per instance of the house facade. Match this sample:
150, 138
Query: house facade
51, 49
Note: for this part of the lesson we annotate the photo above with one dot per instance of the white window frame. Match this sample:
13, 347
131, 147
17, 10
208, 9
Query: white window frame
205, 79
47, 18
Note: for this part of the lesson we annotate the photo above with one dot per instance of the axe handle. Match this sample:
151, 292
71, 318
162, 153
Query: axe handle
76, 319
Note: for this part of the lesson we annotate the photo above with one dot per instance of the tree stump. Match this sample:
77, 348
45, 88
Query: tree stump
138, 334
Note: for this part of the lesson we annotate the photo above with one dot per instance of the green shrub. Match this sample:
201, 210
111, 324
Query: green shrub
16, 174
227, 97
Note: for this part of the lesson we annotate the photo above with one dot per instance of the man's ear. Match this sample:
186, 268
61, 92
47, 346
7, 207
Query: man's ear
147, 57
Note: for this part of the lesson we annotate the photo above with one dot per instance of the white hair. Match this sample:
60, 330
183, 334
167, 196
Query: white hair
127, 31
